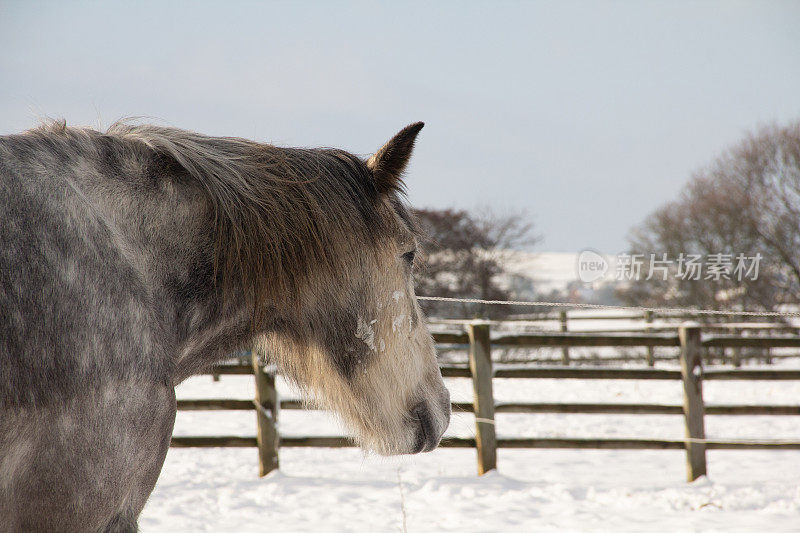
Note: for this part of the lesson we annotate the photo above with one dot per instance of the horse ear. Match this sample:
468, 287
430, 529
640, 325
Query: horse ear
388, 163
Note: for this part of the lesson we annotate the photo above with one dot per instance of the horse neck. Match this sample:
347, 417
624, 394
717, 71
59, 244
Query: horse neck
163, 224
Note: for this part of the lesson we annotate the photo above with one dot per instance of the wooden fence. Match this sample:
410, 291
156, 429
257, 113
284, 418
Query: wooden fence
482, 371
645, 322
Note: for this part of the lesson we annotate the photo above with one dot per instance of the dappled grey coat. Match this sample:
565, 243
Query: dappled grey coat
134, 258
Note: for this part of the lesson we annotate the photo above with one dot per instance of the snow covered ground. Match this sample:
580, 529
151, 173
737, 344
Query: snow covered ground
324, 490
534, 490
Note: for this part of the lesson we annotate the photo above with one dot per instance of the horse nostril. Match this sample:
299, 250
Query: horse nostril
427, 436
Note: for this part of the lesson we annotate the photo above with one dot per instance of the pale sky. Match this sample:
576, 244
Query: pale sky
588, 115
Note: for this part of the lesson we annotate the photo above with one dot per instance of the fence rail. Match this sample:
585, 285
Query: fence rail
482, 372
555, 408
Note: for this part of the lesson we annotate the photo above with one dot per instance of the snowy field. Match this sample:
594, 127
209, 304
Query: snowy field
534, 490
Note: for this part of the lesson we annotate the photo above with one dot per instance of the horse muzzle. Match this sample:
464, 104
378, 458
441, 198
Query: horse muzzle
430, 420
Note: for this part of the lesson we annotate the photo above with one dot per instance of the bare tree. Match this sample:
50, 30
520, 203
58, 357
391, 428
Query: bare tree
767, 166
746, 202
465, 257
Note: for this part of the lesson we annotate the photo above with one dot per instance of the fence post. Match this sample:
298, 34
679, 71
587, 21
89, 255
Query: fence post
267, 405
562, 316
651, 359
693, 407
767, 350
736, 352
736, 357
480, 365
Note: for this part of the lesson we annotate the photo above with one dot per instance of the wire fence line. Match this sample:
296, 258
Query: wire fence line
661, 310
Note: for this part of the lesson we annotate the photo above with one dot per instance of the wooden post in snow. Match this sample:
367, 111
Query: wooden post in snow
736, 352
650, 357
267, 405
480, 365
693, 407
562, 316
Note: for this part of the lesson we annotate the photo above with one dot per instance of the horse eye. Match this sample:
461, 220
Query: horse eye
409, 256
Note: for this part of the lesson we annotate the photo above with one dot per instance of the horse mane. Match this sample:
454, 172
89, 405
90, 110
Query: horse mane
281, 216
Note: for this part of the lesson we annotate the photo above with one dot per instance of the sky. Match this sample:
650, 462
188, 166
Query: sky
586, 116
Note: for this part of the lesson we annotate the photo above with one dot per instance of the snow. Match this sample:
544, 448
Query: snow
534, 490
551, 271
324, 490
365, 332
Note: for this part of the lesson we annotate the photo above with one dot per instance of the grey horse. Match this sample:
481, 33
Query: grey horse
134, 258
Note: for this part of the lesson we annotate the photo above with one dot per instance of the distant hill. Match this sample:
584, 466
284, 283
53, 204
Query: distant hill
555, 274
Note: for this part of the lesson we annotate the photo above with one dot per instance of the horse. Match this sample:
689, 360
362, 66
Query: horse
134, 258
